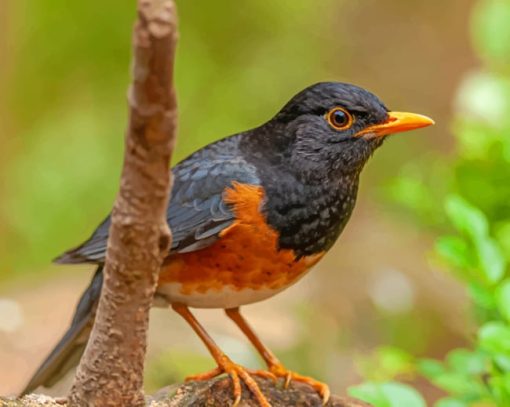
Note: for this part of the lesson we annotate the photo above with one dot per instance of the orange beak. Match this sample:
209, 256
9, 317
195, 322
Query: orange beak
397, 122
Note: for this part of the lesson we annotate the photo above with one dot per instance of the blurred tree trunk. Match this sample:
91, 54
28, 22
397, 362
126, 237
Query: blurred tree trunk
111, 370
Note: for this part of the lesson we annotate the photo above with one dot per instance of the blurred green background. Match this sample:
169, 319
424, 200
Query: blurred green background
384, 290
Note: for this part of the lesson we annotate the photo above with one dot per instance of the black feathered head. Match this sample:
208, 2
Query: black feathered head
337, 126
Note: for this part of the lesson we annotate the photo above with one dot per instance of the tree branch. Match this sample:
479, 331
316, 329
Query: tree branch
111, 370
216, 392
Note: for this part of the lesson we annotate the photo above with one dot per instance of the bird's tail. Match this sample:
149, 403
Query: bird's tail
68, 351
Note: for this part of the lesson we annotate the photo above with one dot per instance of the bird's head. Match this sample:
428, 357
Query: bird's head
335, 127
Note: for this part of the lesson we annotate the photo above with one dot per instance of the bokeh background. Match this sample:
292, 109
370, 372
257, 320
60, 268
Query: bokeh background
383, 297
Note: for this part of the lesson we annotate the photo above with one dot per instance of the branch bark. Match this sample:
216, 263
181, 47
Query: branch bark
111, 370
216, 392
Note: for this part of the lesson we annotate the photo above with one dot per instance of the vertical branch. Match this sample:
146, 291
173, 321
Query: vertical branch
111, 370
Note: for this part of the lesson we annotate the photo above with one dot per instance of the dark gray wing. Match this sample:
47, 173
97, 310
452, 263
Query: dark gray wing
197, 212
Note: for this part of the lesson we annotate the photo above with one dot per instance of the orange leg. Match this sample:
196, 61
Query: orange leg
225, 365
273, 364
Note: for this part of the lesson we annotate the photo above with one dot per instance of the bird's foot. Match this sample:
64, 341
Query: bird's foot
321, 388
237, 374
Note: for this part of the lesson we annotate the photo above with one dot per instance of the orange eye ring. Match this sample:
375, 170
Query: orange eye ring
339, 118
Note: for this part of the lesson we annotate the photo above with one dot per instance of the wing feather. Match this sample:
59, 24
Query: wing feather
197, 212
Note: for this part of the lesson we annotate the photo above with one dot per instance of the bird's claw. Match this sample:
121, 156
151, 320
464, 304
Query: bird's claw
288, 376
237, 374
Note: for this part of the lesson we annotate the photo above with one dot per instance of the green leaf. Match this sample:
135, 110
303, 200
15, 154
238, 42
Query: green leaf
467, 362
482, 296
492, 262
503, 298
502, 234
371, 393
459, 377
470, 221
455, 251
494, 337
431, 368
390, 394
503, 362
394, 361
500, 386
385, 364
449, 402
466, 218
455, 383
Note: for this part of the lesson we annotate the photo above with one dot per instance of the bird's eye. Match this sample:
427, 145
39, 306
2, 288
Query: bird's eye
339, 118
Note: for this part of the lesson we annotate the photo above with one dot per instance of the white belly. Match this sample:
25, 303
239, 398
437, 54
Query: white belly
227, 297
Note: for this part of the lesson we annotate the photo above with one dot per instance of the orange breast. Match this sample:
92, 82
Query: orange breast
245, 256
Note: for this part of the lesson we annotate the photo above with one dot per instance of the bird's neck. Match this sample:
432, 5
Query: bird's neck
307, 203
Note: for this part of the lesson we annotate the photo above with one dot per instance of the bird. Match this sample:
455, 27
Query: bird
250, 215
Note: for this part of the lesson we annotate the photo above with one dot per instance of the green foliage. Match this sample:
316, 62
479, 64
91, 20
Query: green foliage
474, 228
475, 247
503, 299
460, 375
491, 30
388, 394
390, 361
